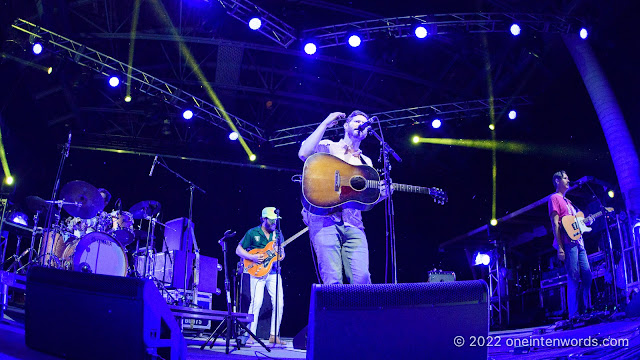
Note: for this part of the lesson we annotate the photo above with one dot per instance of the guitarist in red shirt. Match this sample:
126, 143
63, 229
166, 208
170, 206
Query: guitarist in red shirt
258, 238
570, 251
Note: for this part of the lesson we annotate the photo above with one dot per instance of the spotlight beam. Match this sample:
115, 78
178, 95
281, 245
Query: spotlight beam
132, 41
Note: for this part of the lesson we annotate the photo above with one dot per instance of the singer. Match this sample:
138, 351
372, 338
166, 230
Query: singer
338, 238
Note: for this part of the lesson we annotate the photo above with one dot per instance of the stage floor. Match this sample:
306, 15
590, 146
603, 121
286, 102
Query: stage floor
622, 337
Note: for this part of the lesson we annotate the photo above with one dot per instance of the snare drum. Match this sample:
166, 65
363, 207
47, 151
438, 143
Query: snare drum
122, 228
96, 253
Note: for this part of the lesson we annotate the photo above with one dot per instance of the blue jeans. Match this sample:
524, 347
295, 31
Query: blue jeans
340, 247
577, 265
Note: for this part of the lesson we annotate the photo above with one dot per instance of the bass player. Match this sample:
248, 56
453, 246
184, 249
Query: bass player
570, 251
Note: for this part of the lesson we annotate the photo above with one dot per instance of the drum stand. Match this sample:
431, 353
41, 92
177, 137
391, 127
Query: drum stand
231, 322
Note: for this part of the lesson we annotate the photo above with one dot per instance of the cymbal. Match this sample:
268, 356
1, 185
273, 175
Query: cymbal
145, 208
85, 194
38, 204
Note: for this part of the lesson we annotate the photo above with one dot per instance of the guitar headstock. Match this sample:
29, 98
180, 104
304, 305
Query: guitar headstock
439, 195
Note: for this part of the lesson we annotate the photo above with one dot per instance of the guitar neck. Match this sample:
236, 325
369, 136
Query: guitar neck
295, 236
402, 187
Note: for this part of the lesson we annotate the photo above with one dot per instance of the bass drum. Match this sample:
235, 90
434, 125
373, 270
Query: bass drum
96, 253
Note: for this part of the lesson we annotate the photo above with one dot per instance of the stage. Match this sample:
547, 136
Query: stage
620, 332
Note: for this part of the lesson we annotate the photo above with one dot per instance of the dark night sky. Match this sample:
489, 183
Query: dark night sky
561, 115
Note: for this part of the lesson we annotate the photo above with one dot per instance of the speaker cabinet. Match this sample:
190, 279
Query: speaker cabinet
89, 316
398, 321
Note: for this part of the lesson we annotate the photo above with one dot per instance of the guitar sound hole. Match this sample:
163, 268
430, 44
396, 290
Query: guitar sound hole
358, 183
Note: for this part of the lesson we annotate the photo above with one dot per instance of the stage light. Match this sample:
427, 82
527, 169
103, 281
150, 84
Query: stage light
416, 139
187, 114
310, 48
354, 40
114, 81
233, 135
492, 127
421, 32
436, 123
252, 157
515, 29
37, 48
583, 33
255, 23
9, 180
611, 193
482, 259
493, 222
49, 70
18, 217
513, 114
127, 98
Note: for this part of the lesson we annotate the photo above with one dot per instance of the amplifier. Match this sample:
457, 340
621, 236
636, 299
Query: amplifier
169, 267
441, 276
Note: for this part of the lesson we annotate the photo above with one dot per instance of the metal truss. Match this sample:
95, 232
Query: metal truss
411, 116
272, 27
399, 27
144, 82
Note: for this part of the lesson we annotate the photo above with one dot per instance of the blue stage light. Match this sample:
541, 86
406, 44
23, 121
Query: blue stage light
310, 48
421, 32
37, 48
114, 81
255, 23
354, 40
513, 114
515, 29
583, 33
436, 123
233, 135
187, 114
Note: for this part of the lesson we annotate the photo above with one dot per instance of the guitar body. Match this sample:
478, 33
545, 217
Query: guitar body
329, 183
263, 268
575, 226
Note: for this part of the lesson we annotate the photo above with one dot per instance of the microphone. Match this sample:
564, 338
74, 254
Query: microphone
153, 166
66, 154
367, 123
277, 211
229, 233
119, 204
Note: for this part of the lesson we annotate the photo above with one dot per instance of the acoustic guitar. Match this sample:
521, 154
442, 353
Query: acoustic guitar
576, 225
260, 269
329, 183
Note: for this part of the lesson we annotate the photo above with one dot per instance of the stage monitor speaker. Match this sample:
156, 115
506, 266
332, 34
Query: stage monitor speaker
178, 235
89, 316
398, 321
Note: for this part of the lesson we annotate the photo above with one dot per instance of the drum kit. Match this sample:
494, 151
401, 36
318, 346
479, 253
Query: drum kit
91, 240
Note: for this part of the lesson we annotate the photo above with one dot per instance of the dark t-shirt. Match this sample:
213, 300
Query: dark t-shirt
256, 239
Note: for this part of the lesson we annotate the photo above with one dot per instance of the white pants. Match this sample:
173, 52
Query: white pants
257, 296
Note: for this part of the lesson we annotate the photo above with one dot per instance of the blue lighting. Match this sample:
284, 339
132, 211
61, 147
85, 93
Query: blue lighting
354, 40
421, 32
255, 23
515, 29
310, 48
37, 48
512, 114
583, 33
233, 136
19, 218
114, 81
187, 114
436, 123
482, 259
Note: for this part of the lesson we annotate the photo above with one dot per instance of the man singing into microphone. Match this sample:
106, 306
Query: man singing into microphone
338, 238
257, 238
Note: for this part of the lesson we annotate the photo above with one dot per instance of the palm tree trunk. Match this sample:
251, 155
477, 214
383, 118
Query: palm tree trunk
616, 132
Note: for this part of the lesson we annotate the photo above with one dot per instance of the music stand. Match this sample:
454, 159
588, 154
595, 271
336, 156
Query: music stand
230, 321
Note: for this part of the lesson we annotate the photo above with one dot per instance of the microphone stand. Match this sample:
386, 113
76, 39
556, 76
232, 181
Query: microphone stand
385, 151
278, 240
612, 258
192, 187
230, 320
54, 194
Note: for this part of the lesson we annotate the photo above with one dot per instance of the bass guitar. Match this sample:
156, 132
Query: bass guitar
576, 225
260, 269
329, 183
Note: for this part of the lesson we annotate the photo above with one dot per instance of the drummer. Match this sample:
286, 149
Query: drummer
101, 222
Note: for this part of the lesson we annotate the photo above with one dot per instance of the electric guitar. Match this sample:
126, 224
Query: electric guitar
329, 183
260, 269
576, 225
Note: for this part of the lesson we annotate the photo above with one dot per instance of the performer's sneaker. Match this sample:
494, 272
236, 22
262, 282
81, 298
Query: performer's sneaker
276, 340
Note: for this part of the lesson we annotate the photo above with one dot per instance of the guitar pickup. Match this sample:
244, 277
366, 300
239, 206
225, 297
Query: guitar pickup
336, 186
